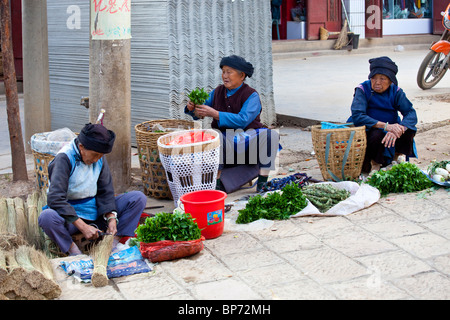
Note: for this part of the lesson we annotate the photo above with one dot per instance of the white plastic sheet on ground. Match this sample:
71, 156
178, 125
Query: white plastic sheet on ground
361, 196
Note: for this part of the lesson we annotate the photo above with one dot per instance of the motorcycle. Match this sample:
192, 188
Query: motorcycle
436, 62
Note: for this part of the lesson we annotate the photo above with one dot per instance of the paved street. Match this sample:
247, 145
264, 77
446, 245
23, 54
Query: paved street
399, 248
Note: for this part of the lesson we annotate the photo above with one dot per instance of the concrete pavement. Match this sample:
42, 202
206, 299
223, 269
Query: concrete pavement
399, 248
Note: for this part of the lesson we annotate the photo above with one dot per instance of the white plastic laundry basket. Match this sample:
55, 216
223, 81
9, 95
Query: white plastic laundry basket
190, 167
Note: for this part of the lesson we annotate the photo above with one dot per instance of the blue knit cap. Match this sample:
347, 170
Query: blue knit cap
385, 66
238, 63
97, 138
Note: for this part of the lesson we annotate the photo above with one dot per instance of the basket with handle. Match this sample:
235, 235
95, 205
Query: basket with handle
192, 166
153, 174
340, 152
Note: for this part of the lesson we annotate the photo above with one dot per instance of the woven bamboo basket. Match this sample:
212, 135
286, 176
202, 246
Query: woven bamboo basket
153, 173
41, 161
340, 152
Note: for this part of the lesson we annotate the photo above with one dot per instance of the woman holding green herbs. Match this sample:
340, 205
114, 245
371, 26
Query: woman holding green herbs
235, 110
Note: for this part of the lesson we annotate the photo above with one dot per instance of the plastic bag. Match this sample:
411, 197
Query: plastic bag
51, 142
169, 250
361, 196
123, 263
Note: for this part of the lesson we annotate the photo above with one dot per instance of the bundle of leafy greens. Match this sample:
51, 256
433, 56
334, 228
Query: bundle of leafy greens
403, 177
177, 226
275, 206
324, 196
198, 96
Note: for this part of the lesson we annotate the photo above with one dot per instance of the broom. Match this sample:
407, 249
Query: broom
38, 275
324, 33
21, 219
3, 216
100, 254
342, 40
11, 216
34, 236
3, 270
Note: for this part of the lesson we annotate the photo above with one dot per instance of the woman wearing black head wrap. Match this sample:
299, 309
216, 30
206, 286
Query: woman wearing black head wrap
234, 105
81, 194
376, 104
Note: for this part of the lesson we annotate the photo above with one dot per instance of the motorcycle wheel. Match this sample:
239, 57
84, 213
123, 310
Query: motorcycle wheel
431, 70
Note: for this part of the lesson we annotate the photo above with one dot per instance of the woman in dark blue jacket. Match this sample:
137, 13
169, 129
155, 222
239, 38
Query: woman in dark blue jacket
378, 104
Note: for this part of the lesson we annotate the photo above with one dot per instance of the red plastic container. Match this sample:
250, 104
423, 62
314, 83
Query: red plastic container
207, 207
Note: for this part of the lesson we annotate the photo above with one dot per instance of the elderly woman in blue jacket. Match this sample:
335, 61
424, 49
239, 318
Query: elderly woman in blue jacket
81, 195
378, 104
249, 148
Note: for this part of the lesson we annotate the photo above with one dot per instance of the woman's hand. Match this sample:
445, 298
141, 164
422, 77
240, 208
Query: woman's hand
112, 227
206, 111
389, 140
397, 129
191, 106
89, 232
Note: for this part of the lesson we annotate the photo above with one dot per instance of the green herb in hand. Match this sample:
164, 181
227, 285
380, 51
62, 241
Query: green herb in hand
198, 96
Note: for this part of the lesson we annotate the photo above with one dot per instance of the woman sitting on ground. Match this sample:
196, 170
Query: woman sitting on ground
376, 104
235, 110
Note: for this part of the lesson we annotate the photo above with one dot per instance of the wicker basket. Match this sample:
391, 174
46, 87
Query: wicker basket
41, 161
340, 152
153, 173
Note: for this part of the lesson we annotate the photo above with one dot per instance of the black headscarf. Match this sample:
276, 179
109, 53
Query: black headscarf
385, 66
96, 137
238, 63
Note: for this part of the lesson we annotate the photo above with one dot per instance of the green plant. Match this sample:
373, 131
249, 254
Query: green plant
403, 177
198, 96
175, 226
324, 196
275, 206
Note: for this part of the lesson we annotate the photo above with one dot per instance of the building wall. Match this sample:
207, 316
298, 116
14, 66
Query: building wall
176, 46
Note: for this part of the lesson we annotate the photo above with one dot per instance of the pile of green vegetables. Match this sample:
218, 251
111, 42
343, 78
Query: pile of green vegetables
403, 177
177, 226
275, 206
324, 196
198, 96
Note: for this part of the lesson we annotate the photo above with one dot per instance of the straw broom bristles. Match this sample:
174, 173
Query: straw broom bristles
11, 215
100, 255
21, 219
48, 287
20, 272
9, 241
342, 40
3, 269
15, 286
37, 276
34, 232
3, 216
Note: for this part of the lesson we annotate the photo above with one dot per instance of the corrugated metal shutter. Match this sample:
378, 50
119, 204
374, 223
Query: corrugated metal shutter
68, 52
176, 46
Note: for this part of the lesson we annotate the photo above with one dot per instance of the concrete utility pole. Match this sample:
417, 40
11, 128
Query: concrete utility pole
36, 87
110, 81
19, 165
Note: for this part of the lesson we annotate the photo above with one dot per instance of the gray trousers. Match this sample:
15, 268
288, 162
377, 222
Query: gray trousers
129, 206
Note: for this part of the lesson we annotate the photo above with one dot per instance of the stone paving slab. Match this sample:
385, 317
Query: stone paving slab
380, 252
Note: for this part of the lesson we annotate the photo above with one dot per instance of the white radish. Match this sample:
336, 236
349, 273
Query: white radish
438, 177
444, 173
